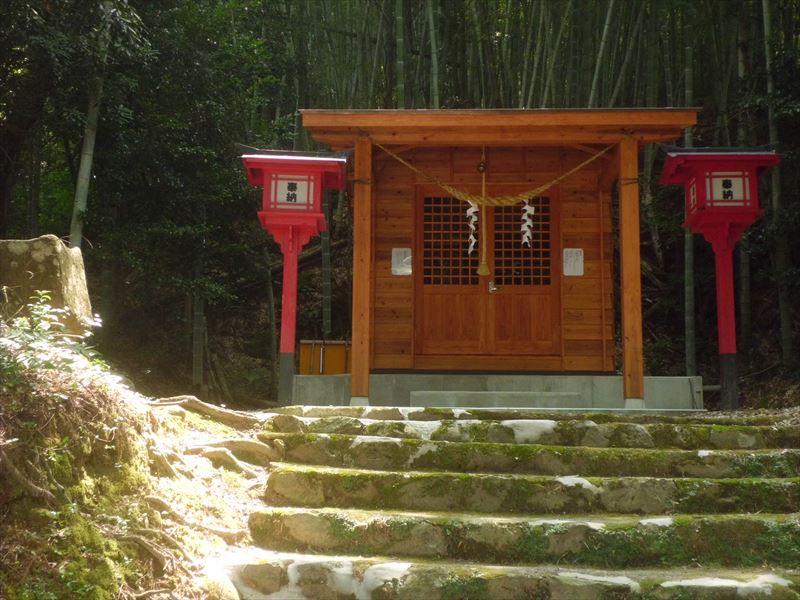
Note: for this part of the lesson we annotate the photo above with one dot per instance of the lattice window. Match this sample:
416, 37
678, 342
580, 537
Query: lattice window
515, 264
445, 242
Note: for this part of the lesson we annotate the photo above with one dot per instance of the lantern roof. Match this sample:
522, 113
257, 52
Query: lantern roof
331, 165
252, 152
682, 162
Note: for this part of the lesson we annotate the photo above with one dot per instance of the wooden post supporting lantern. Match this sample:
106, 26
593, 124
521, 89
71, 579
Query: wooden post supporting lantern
292, 212
721, 189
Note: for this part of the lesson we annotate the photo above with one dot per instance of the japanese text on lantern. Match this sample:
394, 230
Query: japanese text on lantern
728, 188
292, 191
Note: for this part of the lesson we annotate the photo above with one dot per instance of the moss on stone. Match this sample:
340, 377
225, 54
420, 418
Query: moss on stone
341, 528
463, 587
738, 495
398, 429
531, 547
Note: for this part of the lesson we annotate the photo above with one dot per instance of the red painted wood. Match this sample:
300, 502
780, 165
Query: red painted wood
292, 227
726, 316
722, 226
291, 238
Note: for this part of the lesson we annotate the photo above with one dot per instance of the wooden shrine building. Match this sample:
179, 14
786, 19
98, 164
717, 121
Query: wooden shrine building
536, 293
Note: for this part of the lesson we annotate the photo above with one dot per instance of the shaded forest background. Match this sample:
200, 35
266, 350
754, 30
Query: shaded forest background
177, 262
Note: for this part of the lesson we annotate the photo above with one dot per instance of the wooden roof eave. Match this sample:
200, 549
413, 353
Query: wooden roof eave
340, 129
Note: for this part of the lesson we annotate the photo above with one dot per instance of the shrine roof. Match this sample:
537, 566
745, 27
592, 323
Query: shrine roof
498, 127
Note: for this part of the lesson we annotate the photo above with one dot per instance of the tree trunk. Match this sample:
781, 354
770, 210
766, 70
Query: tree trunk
389, 55
34, 183
780, 253
399, 26
540, 42
434, 55
375, 65
325, 238
689, 309
273, 330
198, 334
554, 54
87, 157
600, 52
476, 21
745, 311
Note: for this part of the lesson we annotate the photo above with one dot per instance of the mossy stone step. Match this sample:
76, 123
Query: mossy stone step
583, 432
590, 540
299, 485
386, 453
390, 413
260, 575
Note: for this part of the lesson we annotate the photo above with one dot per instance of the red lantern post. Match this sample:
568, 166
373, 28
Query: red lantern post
721, 191
291, 211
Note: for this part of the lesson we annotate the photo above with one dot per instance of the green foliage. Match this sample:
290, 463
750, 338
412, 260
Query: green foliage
37, 340
63, 425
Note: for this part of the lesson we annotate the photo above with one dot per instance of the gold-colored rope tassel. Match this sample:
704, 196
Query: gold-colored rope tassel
483, 267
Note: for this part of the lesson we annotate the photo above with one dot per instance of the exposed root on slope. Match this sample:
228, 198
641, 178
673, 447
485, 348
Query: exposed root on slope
232, 418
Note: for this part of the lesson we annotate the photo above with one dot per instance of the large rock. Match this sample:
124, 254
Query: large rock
44, 263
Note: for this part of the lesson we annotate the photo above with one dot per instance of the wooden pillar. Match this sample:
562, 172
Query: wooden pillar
630, 268
362, 272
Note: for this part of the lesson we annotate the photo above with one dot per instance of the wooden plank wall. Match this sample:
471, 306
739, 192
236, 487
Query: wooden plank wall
587, 302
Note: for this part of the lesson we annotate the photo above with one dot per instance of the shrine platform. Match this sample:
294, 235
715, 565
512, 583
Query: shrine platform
498, 390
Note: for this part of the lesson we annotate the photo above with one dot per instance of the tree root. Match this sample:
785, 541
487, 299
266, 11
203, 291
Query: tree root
159, 558
31, 488
163, 506
224, 458
245, 449
160, 464
233, 418
164, 537
148, 593
231, 536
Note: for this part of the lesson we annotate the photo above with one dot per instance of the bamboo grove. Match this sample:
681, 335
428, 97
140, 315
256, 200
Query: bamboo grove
169, 233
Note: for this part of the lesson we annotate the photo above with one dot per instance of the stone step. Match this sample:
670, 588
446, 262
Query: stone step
386, 453
261, 574
584, 432
302, 485
391, 413
590, 540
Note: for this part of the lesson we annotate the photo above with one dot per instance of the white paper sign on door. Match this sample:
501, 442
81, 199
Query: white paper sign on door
573, 262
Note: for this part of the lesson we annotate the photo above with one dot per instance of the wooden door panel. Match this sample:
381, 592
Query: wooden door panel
453, 323
525, 316
524, 324
455, 312
451, 308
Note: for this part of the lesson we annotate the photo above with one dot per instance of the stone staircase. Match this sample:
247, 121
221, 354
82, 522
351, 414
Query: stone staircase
456, 504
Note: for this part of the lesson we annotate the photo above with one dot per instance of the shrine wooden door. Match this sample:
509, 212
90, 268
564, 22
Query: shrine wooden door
513, 311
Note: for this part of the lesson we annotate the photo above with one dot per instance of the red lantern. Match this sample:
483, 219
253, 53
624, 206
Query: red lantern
721, 192
291, 211
721, 185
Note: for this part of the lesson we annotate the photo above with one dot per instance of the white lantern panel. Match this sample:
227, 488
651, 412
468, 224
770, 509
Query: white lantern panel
292, 192
728, 189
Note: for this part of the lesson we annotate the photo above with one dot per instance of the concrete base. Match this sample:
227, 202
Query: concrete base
512, 391
727, 377
286, 378
634, 404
